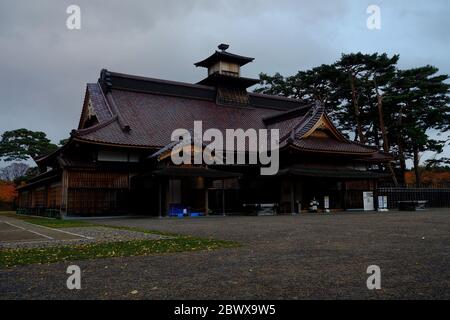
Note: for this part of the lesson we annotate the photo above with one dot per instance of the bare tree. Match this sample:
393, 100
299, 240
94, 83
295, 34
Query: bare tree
13, 171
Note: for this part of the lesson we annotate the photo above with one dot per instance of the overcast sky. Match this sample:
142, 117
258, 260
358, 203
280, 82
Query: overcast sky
44, 67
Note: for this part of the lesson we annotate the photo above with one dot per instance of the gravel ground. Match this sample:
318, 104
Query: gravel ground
282, 257
92, 234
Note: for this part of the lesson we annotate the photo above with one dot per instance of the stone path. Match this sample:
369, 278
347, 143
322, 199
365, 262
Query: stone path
15, 233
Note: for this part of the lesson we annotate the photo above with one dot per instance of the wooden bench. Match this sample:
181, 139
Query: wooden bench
412, 205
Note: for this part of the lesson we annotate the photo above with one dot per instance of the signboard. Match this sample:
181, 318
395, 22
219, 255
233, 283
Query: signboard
382, 203
368, 201
326, 203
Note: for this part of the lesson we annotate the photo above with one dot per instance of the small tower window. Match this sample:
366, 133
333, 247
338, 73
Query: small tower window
227, 68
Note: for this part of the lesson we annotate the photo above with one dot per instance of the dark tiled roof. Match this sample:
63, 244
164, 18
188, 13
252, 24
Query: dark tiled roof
153, 118
98, 102
377, 157
143, 112
273, 102
156, 86
285, 126
331, 145
113, 80
309, 120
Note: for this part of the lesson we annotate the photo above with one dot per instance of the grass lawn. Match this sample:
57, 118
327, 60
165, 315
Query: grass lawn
47, 222
177, 243
14, 257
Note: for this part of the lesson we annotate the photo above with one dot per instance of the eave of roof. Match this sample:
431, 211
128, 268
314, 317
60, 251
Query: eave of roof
53, 154
338, 172
222, 79
195, 172
337, 149
223, 56
41, 178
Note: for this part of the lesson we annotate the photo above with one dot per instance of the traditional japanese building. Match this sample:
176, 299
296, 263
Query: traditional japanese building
117, 160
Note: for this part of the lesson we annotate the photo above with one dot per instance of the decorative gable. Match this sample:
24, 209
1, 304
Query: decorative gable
324, 128
88, 116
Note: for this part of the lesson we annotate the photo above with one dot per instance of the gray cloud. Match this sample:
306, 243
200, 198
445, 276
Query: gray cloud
44, 67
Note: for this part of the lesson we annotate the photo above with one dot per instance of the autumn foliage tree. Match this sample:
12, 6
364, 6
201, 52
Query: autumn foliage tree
8, 194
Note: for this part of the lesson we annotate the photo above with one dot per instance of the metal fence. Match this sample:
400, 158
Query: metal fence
435, 197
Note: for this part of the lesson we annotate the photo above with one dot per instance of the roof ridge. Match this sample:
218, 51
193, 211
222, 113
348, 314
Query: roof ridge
125, 127
315, 109
150, 79
104, 98
210, 89
275, 97
293, 112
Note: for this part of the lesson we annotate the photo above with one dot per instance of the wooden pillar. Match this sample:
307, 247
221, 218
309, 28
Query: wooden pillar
292, 196
160, 197
223, 197
344, 195
375, 195
64, 194
206, 199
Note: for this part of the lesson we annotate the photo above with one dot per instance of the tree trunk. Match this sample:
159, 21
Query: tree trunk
376, 136
401, 158
384, 132
416, 166
362, 139
401, 150
382, 125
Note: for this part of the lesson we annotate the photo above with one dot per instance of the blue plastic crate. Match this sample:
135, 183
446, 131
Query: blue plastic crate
175, 210
196, 214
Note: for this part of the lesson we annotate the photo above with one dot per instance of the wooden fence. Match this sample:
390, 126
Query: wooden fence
435, 197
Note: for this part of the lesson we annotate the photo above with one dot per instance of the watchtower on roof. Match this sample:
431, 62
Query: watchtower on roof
224, 73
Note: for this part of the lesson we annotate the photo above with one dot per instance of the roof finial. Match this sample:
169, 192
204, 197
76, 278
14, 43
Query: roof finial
223, 46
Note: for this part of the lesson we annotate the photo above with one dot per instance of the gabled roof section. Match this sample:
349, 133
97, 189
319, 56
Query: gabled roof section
318, 120
94, 104
315, 132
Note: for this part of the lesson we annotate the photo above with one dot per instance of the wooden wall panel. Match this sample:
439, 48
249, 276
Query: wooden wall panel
39, 197
54, 196
24, 199
112, 180
97, 201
